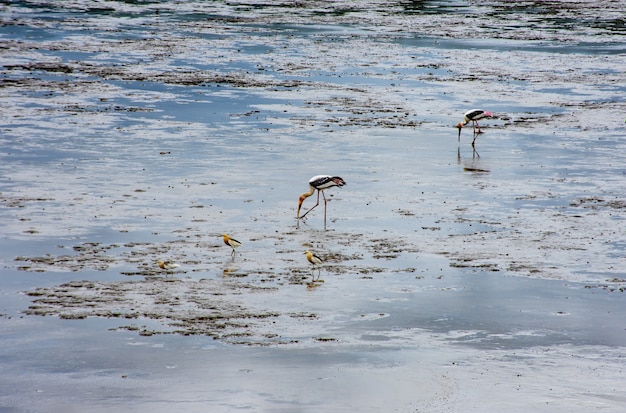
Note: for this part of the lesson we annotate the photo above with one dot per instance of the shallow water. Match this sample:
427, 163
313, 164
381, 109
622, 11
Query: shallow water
455, 279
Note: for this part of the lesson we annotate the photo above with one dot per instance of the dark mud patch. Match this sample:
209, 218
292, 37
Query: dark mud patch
384, 248
20, 201
612, 285
599, 203
187, 307
100, 257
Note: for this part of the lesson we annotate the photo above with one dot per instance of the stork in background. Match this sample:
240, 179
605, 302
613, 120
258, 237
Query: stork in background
473, 116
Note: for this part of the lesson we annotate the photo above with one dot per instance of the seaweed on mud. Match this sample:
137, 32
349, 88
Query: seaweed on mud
20, 201
184, 307
598, 203
385, 248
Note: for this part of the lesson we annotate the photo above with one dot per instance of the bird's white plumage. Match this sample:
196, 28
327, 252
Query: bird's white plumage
475, 114
326, 181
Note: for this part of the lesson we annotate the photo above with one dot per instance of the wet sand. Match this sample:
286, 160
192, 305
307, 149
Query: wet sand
455, 278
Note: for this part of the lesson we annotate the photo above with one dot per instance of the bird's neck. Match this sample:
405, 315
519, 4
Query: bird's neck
307, 194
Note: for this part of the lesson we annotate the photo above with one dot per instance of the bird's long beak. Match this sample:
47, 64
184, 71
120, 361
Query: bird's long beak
300, 201
459, 126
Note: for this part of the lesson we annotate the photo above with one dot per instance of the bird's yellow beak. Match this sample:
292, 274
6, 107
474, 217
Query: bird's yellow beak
300, 201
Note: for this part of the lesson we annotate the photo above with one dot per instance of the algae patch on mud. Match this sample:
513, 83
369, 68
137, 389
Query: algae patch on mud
186, 307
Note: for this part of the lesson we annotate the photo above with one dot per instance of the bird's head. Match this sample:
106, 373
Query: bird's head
300, 201
459, 127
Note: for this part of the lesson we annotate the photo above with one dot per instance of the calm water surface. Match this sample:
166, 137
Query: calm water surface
456, 279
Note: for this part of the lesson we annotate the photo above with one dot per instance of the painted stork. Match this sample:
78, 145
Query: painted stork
473, 116
319, 183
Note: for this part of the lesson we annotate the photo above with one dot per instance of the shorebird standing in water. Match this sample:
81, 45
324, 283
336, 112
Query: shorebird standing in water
473, 116
319, 183
316, 262
233, 243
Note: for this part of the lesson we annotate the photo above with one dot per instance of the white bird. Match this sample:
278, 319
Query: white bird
319, 183
473, 116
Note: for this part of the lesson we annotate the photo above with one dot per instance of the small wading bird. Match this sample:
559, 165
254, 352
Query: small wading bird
168, 266
233, 243
316, 262
319, 183
473, 116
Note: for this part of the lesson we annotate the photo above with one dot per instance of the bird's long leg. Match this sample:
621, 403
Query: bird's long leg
475, 123
313, 207
324, 196
478, 126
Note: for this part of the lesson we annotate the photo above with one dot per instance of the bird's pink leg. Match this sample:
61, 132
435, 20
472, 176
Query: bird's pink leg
475, 123
313, 207
324, 209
